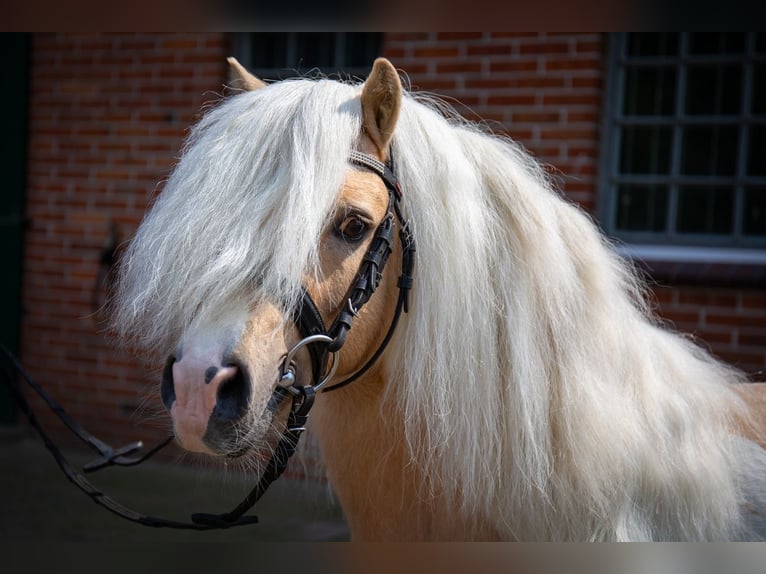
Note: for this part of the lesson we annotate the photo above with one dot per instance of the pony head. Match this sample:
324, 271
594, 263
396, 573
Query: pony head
262, 204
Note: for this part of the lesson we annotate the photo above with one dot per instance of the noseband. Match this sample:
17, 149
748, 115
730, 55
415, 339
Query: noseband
322, 345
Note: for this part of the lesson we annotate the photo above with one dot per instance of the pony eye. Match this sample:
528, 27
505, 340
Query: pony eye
353, 228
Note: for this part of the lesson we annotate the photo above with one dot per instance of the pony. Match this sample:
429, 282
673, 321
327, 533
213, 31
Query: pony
528, 393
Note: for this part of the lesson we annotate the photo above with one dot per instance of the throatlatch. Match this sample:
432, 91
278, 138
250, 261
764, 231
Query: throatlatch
319, 342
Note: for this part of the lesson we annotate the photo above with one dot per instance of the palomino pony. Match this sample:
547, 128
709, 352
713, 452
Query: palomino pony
526, 392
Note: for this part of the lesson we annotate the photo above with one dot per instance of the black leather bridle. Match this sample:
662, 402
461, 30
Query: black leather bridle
321, 343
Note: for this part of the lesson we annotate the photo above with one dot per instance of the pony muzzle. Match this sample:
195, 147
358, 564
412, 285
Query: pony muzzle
205, 403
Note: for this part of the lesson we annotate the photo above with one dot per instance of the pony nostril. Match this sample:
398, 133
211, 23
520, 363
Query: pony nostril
167, 388
233, 394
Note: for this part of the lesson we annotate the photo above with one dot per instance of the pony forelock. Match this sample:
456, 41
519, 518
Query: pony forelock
241, 214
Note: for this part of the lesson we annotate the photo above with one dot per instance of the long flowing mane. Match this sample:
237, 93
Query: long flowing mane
534, 385
559, 396
241, 214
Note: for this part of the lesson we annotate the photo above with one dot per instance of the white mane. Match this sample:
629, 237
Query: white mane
241, 214
532, 382
530, 356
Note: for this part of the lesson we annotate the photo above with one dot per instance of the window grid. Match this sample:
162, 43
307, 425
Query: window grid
617, 179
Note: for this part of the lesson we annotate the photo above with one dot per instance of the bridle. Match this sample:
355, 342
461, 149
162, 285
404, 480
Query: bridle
322, 342
323, 345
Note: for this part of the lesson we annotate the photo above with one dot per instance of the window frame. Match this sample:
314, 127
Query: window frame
691, 247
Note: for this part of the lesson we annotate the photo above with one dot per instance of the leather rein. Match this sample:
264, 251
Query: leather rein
322, 344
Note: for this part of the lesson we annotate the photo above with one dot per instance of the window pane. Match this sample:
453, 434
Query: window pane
759, 89
754, 220
279, 55
650, 92
716, 43
714, 90
756, 155
705, 210
709, 150
314, 50
361, 49
268, 50
652, 44
645, 149
642, 208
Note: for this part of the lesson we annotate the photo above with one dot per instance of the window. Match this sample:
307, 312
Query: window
685, 140
280, 55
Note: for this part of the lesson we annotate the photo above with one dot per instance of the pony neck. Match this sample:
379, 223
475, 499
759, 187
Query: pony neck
384, 493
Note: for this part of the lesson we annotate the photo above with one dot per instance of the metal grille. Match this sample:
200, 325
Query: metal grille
685, 139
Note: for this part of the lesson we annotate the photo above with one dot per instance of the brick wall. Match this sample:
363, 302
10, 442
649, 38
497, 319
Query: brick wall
542, 89
729, 322
108, 114
107, 118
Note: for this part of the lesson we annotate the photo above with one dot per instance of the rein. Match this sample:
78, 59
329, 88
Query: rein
322, 345
108, 456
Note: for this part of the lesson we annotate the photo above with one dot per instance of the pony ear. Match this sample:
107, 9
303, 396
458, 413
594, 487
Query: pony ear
241, 78
381, 102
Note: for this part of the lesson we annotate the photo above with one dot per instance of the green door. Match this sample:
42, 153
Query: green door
14, 51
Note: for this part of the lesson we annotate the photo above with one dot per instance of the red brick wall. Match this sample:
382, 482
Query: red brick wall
544, 90
107, 118
729, 322
108, 114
